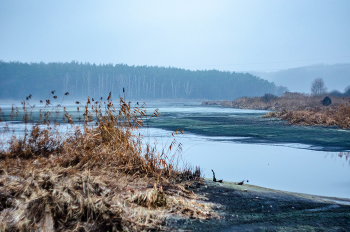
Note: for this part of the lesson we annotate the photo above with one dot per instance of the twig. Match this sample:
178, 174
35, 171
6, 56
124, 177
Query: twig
214, 179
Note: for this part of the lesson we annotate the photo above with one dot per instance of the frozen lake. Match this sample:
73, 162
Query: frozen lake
240, 145
288, 167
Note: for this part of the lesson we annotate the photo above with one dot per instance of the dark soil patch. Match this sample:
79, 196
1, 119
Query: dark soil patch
259, 209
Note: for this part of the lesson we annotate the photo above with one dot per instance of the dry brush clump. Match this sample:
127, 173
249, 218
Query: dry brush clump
328, 116
289, 101
97, 177
297, 108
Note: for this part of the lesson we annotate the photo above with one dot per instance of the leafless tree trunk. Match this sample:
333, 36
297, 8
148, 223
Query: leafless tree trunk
76, 86
318, 87
88, 82
154, 87
188, 88
99, 85
65, 82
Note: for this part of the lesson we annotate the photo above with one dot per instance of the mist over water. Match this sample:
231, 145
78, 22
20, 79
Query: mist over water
240, 145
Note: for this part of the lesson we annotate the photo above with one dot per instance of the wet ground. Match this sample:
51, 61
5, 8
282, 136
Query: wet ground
252, 208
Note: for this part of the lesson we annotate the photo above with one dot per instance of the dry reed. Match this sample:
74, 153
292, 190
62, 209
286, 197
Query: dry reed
98, 178
328, 116
297, 108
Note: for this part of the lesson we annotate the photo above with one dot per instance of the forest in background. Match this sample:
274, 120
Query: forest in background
19, 80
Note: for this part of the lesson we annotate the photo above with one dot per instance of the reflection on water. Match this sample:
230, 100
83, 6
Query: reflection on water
342, 155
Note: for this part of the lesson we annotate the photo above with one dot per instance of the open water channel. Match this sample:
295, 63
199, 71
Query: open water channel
241, 145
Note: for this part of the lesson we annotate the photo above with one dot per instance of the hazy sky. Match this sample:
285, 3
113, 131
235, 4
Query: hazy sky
225, 35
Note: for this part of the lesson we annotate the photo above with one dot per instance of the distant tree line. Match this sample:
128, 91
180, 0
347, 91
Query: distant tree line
140, 82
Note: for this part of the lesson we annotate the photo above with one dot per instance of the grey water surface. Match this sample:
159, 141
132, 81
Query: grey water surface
247, 126
241, 145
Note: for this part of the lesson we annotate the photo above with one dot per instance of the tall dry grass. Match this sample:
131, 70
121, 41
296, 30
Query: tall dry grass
297, 108
309, 110
327, 116
289, 101
99, 177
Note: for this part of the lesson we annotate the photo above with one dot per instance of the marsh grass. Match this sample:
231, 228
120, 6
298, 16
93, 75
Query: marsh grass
289, 101
335, 115
99, 176
297, 108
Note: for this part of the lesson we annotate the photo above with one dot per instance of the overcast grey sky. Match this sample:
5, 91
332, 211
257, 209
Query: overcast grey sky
224, 35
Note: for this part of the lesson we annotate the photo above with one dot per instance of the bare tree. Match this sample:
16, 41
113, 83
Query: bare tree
318, 87
188, 88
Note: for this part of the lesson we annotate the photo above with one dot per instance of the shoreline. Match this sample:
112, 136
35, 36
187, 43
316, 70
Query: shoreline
296, 108
248, 207
257, 189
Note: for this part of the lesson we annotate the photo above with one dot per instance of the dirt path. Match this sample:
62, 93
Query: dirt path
252, 208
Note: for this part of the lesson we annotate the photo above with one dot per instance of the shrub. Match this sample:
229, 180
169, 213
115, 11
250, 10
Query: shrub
326, 101
335, 93
267, 97
347, 91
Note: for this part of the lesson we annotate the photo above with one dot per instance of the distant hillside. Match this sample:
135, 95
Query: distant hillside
336, 77
140, 82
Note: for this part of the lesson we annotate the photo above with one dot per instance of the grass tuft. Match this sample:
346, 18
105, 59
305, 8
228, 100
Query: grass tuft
99, 176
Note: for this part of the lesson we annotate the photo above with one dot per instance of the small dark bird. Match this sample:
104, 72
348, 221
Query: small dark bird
92, 99
55, 97
66, 93
123, 90
77, 102
53, 92
101, 98
41, 101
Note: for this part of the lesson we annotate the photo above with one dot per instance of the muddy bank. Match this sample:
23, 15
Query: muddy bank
253, 208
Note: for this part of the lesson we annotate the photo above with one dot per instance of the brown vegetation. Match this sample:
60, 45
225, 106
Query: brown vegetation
297, 108
332, 116
289, 101
100, 177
